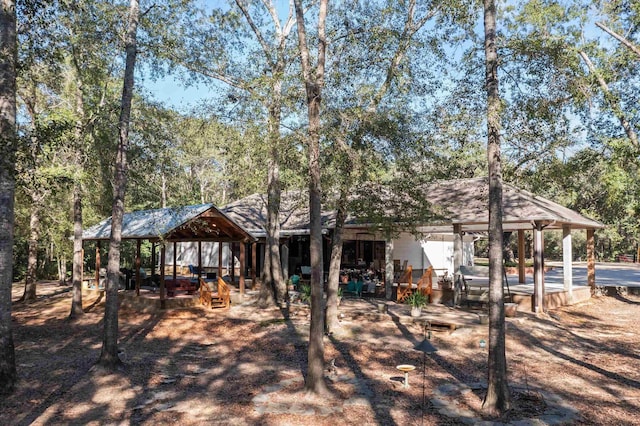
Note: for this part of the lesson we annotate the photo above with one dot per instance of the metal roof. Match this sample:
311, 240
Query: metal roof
188, 223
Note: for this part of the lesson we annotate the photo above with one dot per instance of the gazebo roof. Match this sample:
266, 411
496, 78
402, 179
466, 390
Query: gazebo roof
203, 222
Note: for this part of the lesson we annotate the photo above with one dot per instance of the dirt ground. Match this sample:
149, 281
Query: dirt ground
246, 366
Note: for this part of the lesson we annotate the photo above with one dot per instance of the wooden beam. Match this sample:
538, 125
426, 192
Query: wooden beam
567, 261
200, 259
232, 250
591, 260
522, 277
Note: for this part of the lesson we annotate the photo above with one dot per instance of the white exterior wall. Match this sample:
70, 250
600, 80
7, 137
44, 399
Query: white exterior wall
188, 254
434, 250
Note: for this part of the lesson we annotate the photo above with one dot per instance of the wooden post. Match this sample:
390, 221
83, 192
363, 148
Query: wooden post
591, 260
538, 273
285, 259
242, 264
138, 244
175, 260
254, 264
220, 259
163, 255
522, 278
388, 271
153, 259
567, 260
97, 264
200, 260
232, 253
457, 262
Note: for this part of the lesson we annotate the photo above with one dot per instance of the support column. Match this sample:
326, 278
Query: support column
242, 265
175, 261
388, 270
138, 244
538, 273
567, 260
200, 260
591, 260
163, 255
522, 276
457, 262
153, 259
232, 254
285, 260
97, 264
220, 259
254, 264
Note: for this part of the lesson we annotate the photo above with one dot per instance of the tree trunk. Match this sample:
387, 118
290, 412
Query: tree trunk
109, 355
32, 256
8, 56
331, 317
313, 86
78, 261
497, 398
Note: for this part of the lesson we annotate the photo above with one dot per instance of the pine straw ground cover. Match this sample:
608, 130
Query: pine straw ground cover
246, 366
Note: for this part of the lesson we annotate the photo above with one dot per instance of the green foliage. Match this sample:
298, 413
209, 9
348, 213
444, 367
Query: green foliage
305, 293
416, 300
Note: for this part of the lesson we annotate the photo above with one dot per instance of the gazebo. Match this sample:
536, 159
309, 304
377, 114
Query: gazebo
203, 222
465, 205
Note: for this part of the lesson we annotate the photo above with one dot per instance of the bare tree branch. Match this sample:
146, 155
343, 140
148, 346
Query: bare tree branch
620, 38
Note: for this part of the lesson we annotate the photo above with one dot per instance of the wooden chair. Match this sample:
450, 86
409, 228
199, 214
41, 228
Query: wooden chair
425, 283
219, 299
205, 293
405, 285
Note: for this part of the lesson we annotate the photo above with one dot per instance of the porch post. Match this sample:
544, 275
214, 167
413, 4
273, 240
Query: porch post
285, 260
232, 252
538, 275
175, 260
522, 278
567, 258
254, 264
138, 244
388, 270
457, 262
153, 259
591, 260
97, 264
220, 259
163, 255
200, 260
242, 264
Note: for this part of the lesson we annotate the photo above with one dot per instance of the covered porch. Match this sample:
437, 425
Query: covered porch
167, 227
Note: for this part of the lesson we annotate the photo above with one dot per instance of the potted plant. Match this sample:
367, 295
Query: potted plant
416, 300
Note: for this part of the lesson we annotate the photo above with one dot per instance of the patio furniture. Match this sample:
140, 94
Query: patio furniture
425, 283
219, 299
405, 287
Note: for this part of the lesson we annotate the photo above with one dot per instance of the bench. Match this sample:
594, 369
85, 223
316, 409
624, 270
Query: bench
219, 299
475, 280
182, 284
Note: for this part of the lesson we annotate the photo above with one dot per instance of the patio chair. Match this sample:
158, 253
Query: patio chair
425, 283
405, 285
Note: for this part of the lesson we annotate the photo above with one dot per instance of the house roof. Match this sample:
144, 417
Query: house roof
203, 222
459, 201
